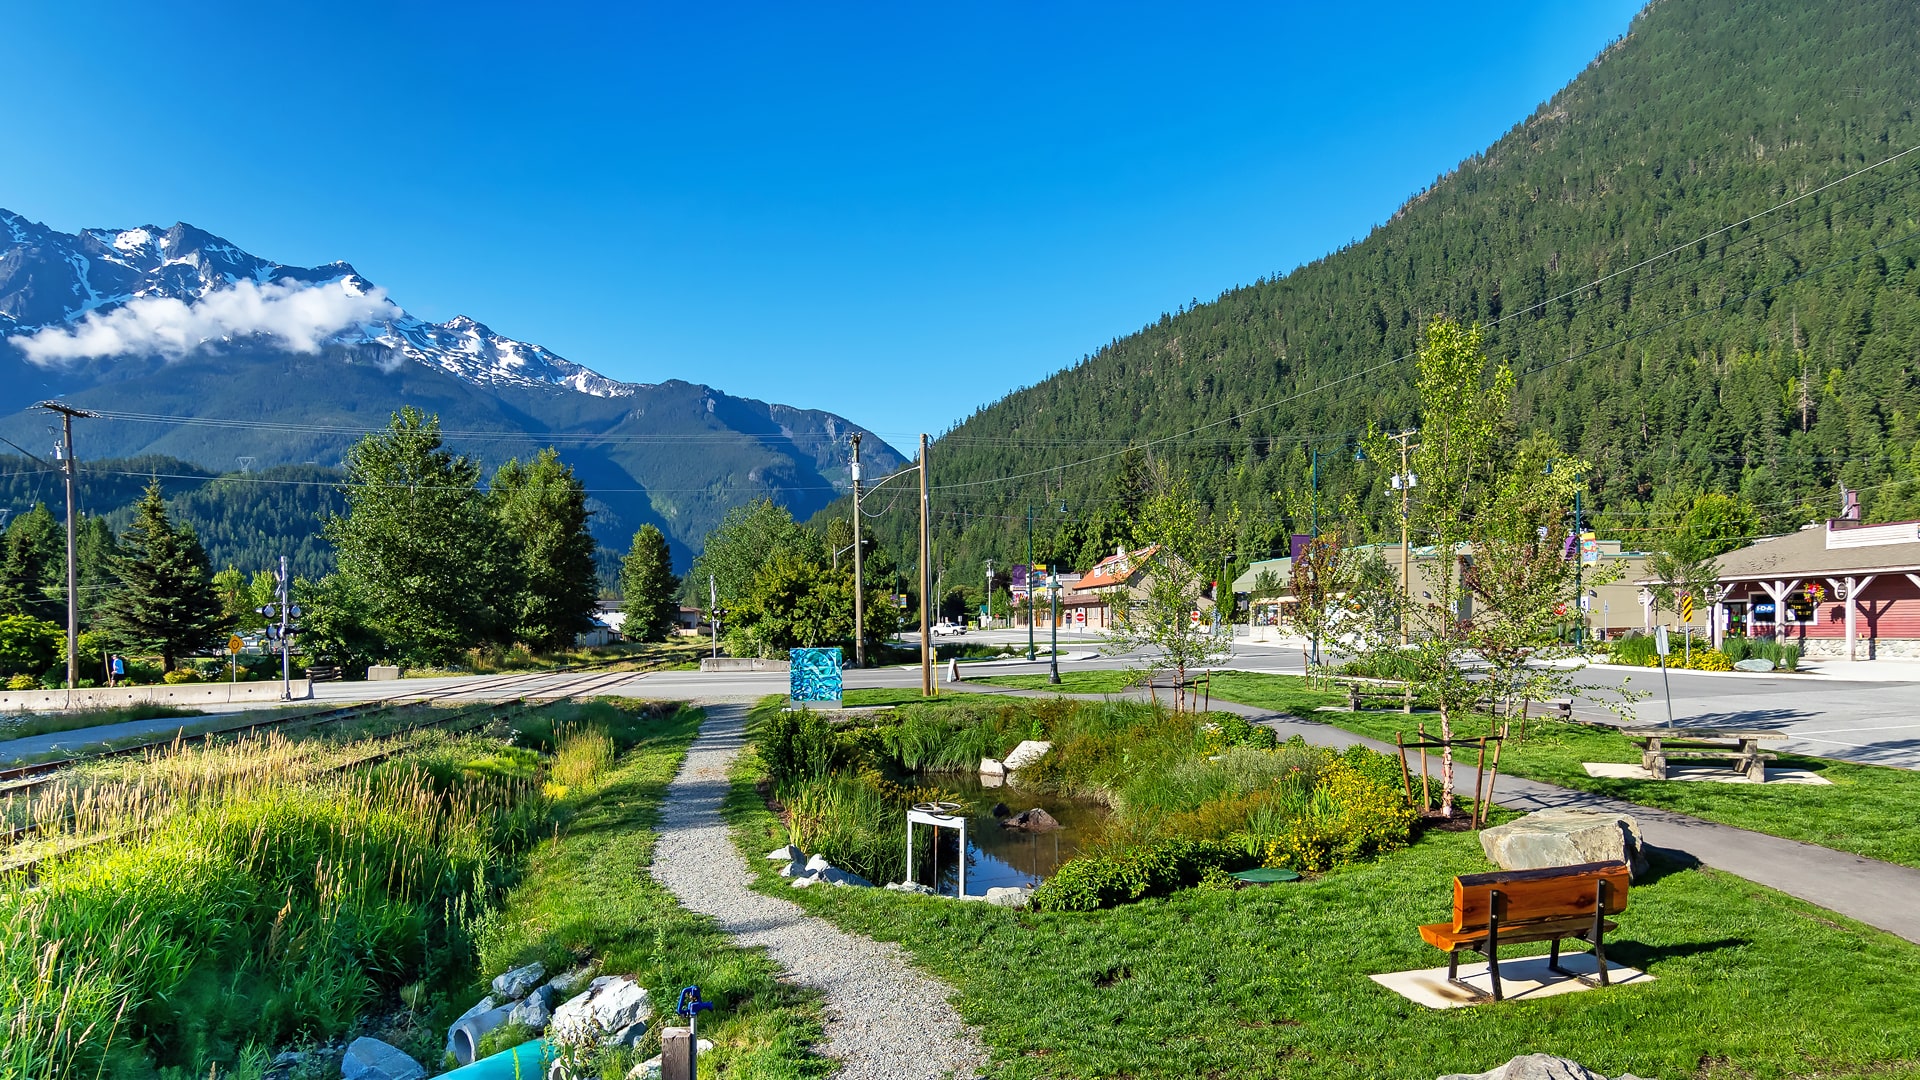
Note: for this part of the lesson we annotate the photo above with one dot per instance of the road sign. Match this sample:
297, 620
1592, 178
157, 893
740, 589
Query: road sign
234, 644
1686, 608
1660, 641
1194, 617
1586, 603
1080, 617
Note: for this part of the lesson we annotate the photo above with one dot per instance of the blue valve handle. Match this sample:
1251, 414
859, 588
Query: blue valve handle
690, 1004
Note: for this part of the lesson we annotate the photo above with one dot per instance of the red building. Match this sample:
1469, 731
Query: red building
1838, 589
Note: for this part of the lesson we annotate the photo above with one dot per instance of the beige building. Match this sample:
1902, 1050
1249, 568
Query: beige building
1611, 608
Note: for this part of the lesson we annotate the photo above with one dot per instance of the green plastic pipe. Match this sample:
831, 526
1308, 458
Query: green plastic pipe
528, 1061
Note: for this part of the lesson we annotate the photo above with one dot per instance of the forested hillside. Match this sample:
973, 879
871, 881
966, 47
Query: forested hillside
1627, 250
245, 520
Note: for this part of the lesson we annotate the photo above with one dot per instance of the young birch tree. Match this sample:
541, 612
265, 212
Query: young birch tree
1465, 402
1160, 619
1324, 579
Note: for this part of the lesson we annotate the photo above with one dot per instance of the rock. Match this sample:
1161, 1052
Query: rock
912, 887
1000, 810
570, 983
807, 882
1537, 1067
835, 876
371, 1059
990, 767
818, 864
1757, 663
796, 868
1034, 820
1565, 838
1027, 753
611, 1004
626, 1036
1010, 897
536, 1011
463, 1039
788, 854
516, 984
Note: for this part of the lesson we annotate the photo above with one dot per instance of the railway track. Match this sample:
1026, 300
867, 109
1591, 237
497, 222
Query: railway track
483, 712
22, 778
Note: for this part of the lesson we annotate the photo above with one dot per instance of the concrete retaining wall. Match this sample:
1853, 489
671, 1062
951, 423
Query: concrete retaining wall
183, 694
741, 663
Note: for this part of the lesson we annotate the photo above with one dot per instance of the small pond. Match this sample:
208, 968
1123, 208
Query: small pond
1000, 857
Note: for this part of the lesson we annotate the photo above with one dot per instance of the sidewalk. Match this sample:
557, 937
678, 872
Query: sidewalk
1880, 894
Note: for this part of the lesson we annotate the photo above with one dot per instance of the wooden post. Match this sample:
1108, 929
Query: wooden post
1406, 779
1491, 780
926, 582
676, 1054
1426, 793
1479, 775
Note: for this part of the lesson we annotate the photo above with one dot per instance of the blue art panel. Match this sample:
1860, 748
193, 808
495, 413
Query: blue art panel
814, 675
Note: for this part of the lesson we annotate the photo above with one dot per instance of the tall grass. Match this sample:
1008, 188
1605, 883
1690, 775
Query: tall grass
266, 897
583, 754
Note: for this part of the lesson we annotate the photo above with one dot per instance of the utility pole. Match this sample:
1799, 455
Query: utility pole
1405, 481
989, 592
1053, 625
1030, 652
67, 413
926, 580
859, 571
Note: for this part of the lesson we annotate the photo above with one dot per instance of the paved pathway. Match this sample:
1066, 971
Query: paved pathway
886, 1020
1877, 893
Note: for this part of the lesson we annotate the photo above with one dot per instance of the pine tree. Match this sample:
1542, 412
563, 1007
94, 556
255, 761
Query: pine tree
542, 510
650, 586
418, 548
164, 599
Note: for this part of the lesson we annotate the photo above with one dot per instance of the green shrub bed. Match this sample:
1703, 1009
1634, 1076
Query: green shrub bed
1193, 796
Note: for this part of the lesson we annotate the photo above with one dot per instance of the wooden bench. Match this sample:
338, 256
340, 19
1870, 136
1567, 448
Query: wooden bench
1558, 710
1658, 745
1359, 688
1511, 907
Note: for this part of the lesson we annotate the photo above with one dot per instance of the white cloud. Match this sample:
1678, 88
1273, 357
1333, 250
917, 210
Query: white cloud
298, 317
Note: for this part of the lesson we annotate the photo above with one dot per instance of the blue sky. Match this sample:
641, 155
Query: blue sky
896, 212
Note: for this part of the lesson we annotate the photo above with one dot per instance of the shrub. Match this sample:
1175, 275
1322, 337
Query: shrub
1634, 650
1091, 882
582, 754
1353, 815
1710, 660
23, 682
181, 675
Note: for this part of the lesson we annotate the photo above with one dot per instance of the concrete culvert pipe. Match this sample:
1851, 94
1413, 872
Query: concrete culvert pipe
466, 1035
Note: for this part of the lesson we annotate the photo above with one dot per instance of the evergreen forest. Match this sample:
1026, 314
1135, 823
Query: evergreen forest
1699, 258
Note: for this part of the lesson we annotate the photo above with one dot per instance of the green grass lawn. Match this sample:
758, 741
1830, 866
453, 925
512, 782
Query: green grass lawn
586, 892
1104, 681
887, 695
1272, 982
1869, 809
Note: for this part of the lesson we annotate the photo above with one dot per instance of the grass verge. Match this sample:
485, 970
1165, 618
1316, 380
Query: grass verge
1272, 982
1867, 810
586, 893
1071, 682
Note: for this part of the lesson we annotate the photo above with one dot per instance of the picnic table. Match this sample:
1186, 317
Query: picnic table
1742, 748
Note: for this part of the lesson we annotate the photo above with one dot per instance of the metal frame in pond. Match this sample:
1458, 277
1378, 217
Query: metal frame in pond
940, 815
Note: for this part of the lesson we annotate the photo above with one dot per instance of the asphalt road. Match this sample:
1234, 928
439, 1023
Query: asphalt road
1864, 721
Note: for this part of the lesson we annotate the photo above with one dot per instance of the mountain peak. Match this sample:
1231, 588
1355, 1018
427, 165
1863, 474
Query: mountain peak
51, 282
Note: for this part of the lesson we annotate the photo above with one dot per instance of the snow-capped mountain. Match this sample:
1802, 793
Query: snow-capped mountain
50, 279
194, 349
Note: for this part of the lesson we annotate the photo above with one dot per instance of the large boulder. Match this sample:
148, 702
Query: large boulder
611, 1005
518, 983
1027, 753
371, 1059
1538, 1067
1008, 896
1565, 838
785, 854
1034, 820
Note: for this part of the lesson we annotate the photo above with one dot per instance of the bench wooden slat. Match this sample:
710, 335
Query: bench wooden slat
1446, 937
1556, 893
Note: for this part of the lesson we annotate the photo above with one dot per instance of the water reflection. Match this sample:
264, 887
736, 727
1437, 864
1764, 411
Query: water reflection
998, 857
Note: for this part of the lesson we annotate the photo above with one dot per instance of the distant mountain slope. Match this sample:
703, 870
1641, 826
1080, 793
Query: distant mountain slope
286, 365
1778, 357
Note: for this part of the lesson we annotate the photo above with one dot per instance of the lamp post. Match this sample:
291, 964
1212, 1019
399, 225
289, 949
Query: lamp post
1029, 583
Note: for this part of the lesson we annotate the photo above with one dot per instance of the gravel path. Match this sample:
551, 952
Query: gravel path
886, 1020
